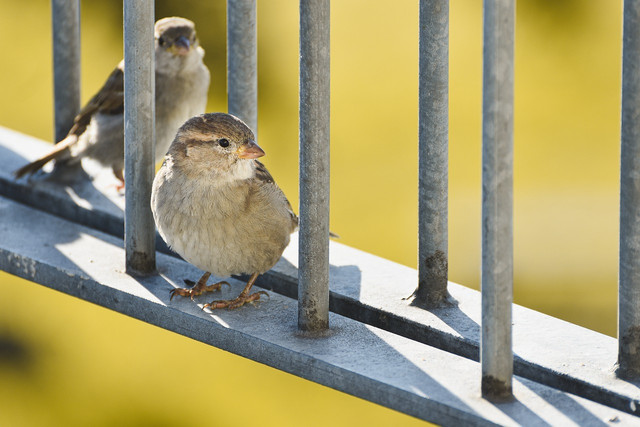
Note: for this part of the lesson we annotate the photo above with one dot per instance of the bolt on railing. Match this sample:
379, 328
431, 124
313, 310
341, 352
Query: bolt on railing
433, 163
313, 275
496, 354
629, 261
139, 134
242, 61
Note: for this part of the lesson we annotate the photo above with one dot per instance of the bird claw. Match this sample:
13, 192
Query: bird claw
182, 292
199, 289
235, 303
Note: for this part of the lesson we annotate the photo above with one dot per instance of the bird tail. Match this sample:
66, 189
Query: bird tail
58, 150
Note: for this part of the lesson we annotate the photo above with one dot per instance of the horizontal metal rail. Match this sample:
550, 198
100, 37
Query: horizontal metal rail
495, 349
575, 359
363, 361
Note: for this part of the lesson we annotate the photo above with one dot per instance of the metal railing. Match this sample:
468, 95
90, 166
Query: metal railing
496, 354
139, 134
629, 264
497, 181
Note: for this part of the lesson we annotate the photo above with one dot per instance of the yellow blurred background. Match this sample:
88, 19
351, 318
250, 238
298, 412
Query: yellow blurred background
63, 361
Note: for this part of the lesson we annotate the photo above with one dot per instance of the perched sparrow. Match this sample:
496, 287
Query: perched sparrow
182, 82
218, 207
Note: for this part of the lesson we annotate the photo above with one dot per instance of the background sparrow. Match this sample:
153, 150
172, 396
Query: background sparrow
182, 83
218, 207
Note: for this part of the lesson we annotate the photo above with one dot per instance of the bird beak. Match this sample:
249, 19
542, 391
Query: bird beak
249, 150
180, 46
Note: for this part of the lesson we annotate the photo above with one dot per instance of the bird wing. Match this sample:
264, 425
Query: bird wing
109, 100
263, 176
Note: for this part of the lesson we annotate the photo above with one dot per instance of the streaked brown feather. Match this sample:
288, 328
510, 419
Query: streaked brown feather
108, 100
263, 175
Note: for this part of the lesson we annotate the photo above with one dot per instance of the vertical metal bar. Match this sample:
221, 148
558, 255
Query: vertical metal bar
629, 263
313, 275
433, 168
139, 134
242, 61
65, 19
497, 198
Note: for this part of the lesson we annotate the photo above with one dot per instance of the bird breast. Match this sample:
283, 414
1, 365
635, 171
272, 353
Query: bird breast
226, 230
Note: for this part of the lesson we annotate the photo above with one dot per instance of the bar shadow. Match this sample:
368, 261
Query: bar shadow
570, 408
248, 319
75, 195
406, 376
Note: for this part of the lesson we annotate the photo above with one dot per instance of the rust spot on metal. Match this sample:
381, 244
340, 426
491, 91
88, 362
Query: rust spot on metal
432, 288
312, 322
496, 390
629, 355
141, 264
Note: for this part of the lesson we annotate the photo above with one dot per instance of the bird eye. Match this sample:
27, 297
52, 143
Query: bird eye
223, 142
161, 41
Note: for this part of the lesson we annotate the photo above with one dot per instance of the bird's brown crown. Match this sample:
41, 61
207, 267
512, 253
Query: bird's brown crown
210, 126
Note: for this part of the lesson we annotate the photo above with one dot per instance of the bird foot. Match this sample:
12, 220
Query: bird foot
200, 288
235, 303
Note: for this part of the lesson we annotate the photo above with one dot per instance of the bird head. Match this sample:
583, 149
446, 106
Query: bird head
217, 143
176, 43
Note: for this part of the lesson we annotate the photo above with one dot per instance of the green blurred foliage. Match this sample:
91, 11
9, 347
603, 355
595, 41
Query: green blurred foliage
93, 366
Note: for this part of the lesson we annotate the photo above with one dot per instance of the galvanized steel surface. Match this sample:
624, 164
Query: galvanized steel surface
65, 19
139, 134
576, 360
313, 294
433, 164
242, 61
629, 267
496, 353
353, 357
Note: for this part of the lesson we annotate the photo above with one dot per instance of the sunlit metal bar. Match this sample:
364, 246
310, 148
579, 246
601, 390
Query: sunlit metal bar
629, 267
313, 275
242, 61
433, 148
496, 354
139, 116
65, 19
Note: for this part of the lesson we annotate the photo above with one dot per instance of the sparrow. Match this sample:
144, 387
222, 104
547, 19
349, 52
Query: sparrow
218, 207
182, 83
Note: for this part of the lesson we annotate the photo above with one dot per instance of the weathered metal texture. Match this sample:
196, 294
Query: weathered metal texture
575, 359
433, 163
139, 134
629, 266
65, 19
363, 361
497, 198
313, 294
242, 61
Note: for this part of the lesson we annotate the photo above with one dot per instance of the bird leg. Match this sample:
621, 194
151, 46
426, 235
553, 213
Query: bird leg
200, 288
119, 173
241, 300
